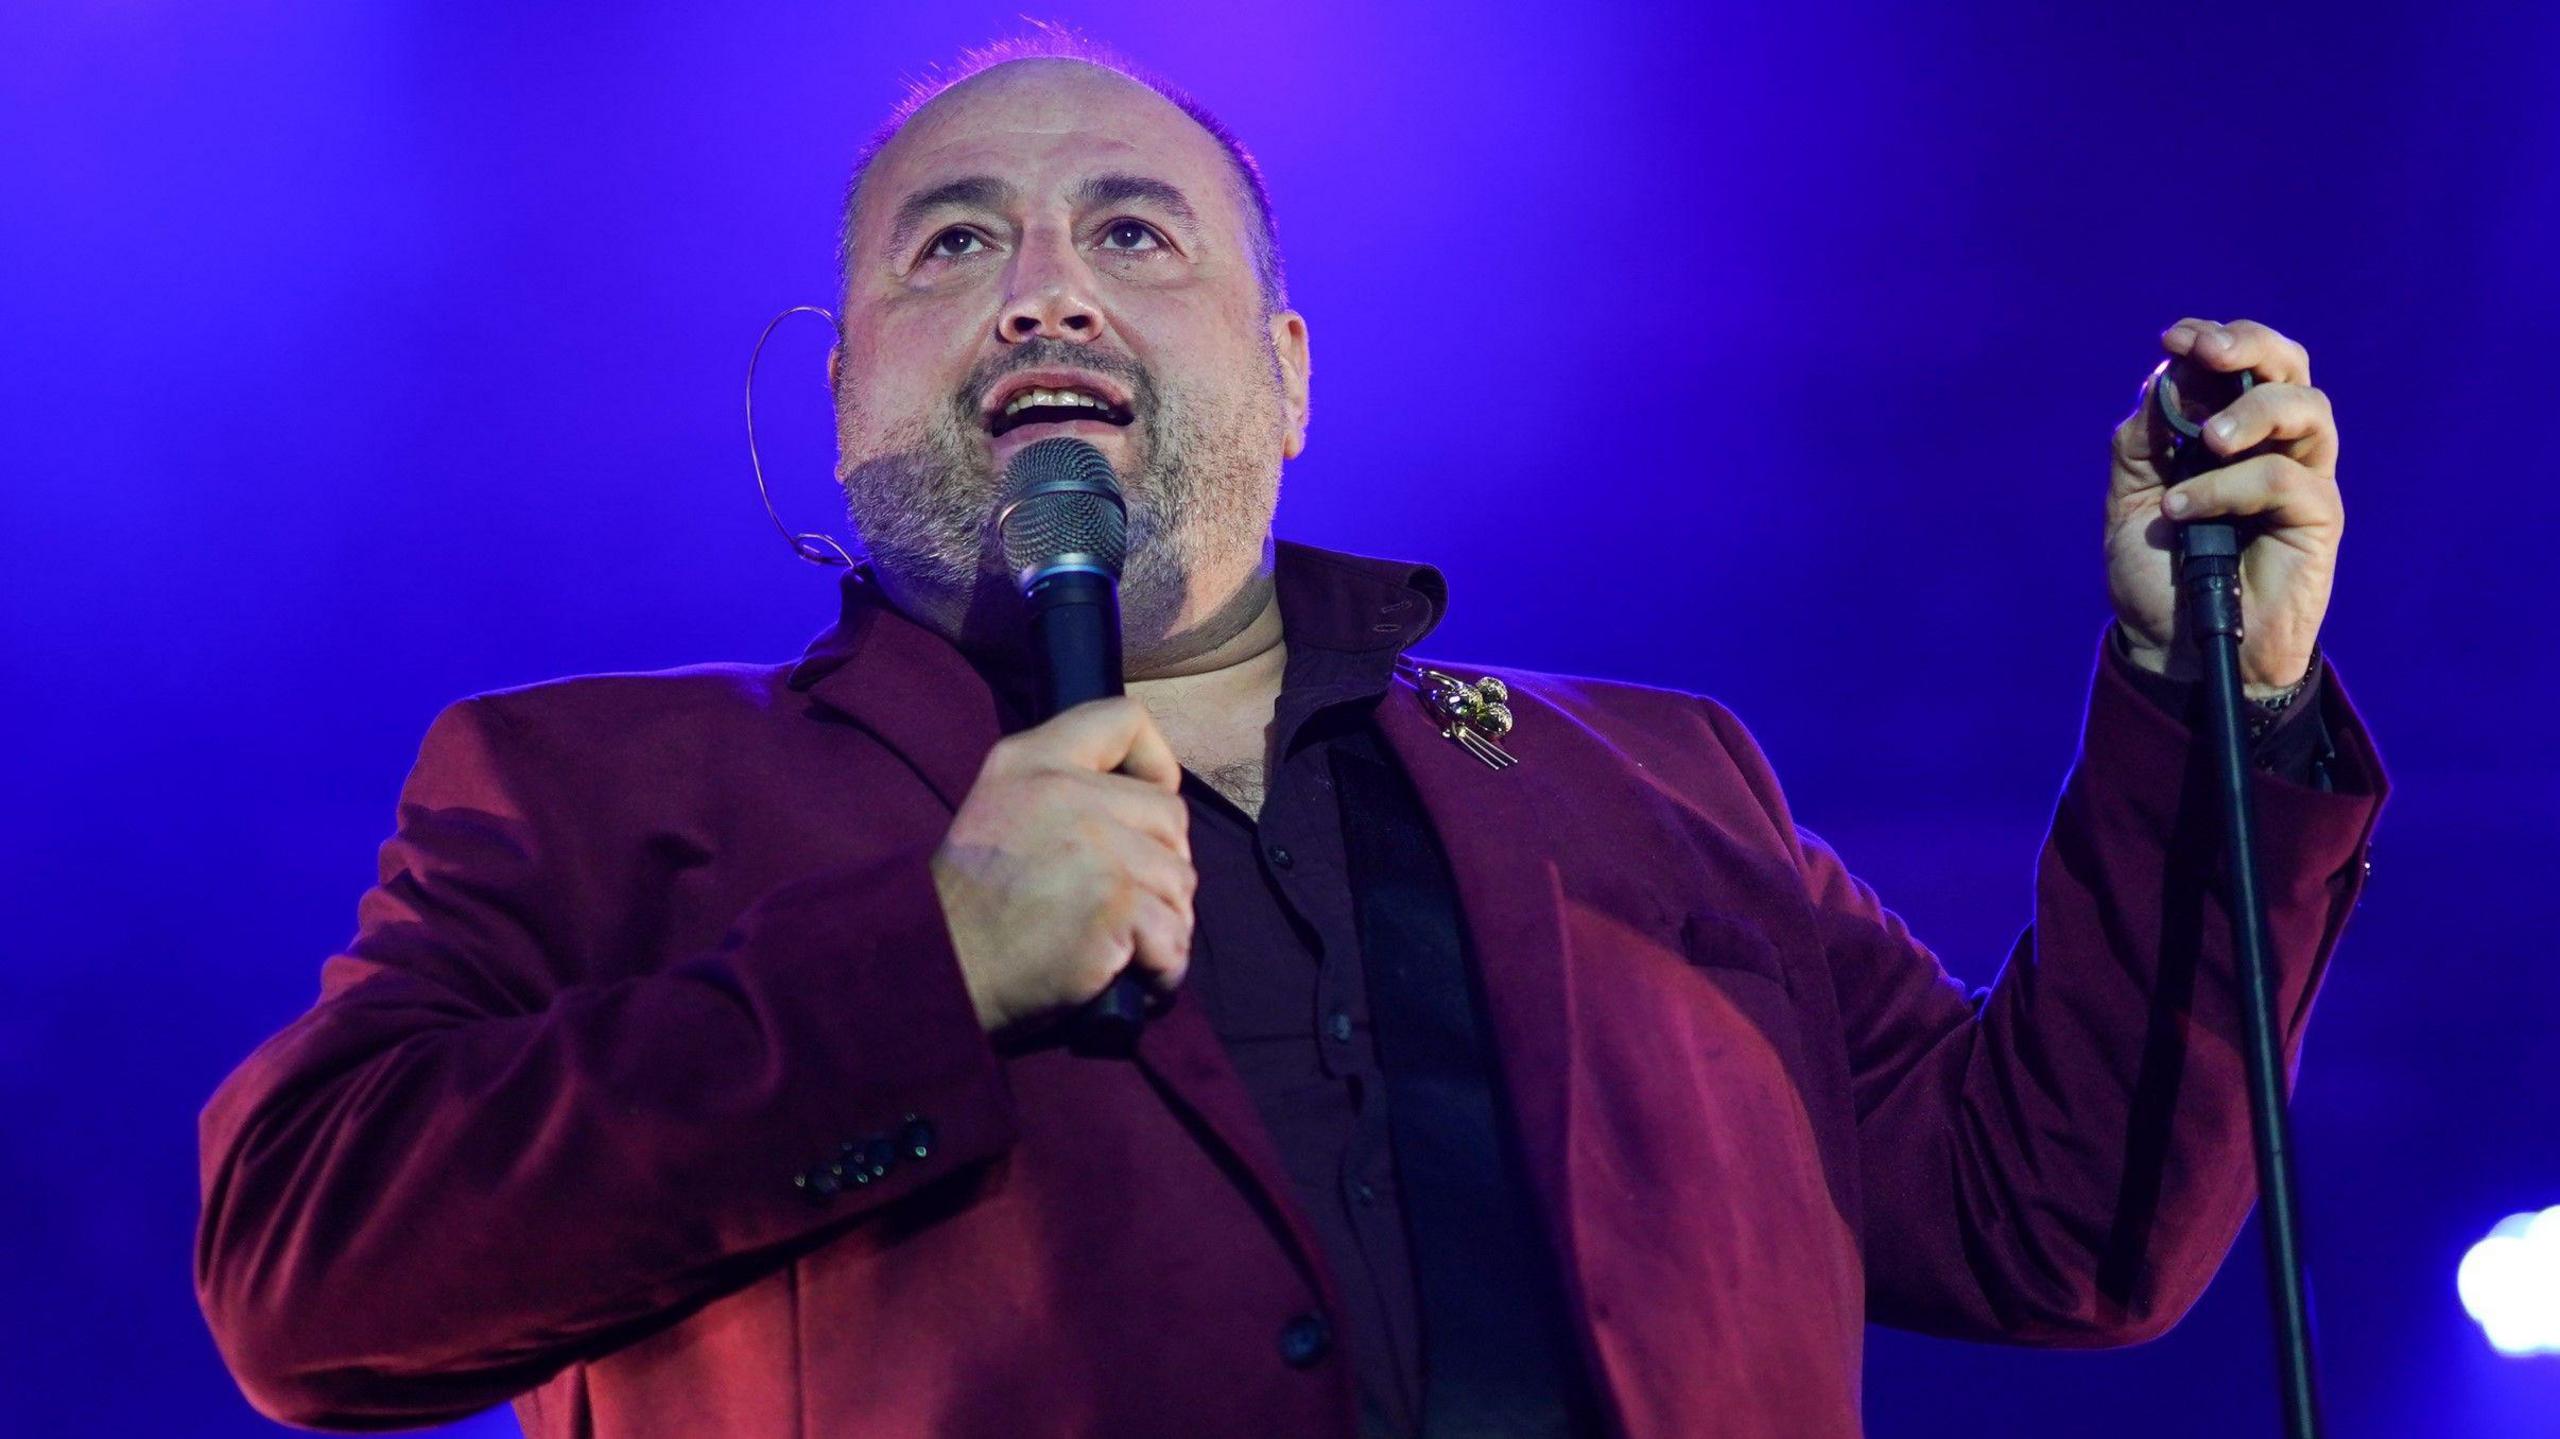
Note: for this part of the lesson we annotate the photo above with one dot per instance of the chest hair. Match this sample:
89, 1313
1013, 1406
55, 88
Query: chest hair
1240, 781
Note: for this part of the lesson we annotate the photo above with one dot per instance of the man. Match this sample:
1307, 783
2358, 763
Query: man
697, 1069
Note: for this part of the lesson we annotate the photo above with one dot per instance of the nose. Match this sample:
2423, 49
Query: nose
1051, 296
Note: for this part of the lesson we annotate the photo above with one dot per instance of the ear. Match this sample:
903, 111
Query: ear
835, 365
1289, 346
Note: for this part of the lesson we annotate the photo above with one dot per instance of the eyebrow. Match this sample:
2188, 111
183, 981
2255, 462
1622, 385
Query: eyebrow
975, 192
1119, 189
985, 192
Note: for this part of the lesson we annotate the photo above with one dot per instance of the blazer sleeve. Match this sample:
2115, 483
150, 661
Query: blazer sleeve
456, 1174
2065, 1157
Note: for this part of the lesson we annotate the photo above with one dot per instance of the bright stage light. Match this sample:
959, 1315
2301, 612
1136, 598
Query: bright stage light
2510, 1282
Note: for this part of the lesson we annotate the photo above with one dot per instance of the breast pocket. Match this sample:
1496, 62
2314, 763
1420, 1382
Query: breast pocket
1722, 941
1742, 961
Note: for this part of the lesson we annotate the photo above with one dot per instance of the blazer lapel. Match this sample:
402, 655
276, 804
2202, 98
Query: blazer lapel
1489, 824
908, 686
1182, 1056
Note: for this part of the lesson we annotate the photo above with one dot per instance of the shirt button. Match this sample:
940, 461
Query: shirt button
1339, 1026
1305, 1340
1280, 857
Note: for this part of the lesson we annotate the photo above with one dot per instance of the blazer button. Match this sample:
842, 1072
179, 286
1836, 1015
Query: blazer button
916, 1137
1305, 1340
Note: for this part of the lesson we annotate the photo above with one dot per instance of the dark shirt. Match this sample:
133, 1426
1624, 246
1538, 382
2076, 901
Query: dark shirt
1277, 967
1276, 963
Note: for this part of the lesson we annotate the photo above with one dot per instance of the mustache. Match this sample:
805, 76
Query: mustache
1043, 352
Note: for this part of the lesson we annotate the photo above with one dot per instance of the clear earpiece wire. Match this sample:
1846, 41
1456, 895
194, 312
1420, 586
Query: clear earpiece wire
805, 546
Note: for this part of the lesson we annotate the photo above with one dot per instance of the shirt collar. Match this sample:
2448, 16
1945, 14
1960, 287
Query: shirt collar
1329, 600
1353, 603
1347, 619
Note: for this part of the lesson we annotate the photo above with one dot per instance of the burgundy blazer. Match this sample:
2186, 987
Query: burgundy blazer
650, 952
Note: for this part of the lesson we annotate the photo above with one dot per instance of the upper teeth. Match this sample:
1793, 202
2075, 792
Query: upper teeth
1053, 397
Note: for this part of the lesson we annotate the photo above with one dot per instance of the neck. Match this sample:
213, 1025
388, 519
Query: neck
1219, 627
1210, 675
1213, 684
1225, 619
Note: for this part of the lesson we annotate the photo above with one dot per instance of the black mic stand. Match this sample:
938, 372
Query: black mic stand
2208, 583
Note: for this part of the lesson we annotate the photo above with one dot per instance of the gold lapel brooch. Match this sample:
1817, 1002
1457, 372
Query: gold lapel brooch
1474, 715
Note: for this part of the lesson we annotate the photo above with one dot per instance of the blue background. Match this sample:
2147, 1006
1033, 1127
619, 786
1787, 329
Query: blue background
356, 357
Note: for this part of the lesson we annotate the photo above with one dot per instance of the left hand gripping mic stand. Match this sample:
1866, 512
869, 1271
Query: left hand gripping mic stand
2208, 584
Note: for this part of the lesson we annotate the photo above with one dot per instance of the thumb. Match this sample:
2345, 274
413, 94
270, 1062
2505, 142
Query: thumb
1112, 734
2142, 441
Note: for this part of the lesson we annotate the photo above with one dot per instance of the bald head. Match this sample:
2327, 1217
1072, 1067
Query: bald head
1052, 59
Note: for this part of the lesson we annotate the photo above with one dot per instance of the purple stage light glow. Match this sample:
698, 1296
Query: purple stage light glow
1810, 318
2510, 1282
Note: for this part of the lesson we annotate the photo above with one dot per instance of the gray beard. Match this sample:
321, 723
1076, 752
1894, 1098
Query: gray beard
922, 507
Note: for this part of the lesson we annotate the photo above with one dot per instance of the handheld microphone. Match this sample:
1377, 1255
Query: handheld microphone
1065, 534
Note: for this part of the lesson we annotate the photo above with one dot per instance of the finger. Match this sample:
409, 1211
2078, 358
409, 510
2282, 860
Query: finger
1101, 736
1136, 805
2296, 416
2273, 356
1151, 757
2277, 488
2180, 338
1154, 869
2142, 437
2240, 345
1162, 951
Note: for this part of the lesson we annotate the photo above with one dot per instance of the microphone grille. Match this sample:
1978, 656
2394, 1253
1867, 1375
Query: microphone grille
1066, 505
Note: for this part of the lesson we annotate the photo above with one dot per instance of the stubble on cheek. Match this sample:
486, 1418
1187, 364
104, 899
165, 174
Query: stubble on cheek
1201, 505
1200, 488
919, 497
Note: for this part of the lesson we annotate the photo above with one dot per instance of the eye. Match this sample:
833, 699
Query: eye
943, 248
1131, 236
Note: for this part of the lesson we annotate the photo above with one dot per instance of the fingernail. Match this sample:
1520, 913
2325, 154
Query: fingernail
2180, 334
2224, 427
2176, 504
2220, 340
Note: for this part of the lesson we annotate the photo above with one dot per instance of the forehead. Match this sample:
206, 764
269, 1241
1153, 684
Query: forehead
1039, 124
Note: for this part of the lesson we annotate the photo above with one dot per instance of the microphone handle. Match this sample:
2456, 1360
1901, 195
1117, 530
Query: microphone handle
1075, 630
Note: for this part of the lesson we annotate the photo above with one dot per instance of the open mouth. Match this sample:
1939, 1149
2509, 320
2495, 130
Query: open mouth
1058, 404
